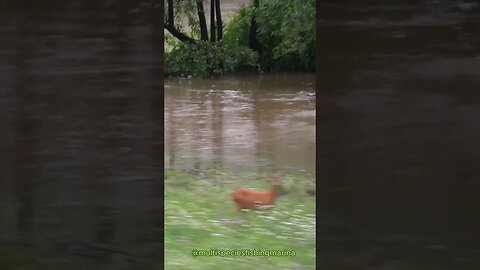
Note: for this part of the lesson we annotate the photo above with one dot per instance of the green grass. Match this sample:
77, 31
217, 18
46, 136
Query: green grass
199, 214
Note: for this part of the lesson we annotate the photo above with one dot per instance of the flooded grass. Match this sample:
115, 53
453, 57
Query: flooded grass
200, 215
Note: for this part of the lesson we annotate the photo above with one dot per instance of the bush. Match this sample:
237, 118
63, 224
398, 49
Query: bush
238, 30
203, 58
286, 33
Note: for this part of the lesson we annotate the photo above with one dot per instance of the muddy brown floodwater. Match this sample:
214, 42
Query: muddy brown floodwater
80, 130
241, 123
398, 135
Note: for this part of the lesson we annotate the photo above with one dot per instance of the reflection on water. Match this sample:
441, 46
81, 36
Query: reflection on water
241, 123
80, 120
398, 108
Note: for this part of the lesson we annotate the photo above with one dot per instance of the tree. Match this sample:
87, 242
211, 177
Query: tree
282, 32
254, 44
219, 20
212, 21
170, 25
199, 54
187, 8
201, 18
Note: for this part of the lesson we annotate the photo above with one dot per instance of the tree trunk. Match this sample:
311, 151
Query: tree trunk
203, 22
218, 14
254, 45
170, 12
212, 21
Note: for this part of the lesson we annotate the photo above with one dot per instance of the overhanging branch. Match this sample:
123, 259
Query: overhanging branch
179, 35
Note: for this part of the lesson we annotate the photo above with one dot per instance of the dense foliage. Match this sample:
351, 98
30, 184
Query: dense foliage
204, 58
238, 30
285, 33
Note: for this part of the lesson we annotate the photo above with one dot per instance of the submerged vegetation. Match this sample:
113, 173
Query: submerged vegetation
268, 35
200, 215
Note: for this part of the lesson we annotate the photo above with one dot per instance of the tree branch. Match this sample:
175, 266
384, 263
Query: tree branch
179, 35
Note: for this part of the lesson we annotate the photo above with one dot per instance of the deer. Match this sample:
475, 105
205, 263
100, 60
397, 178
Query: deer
252, 199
